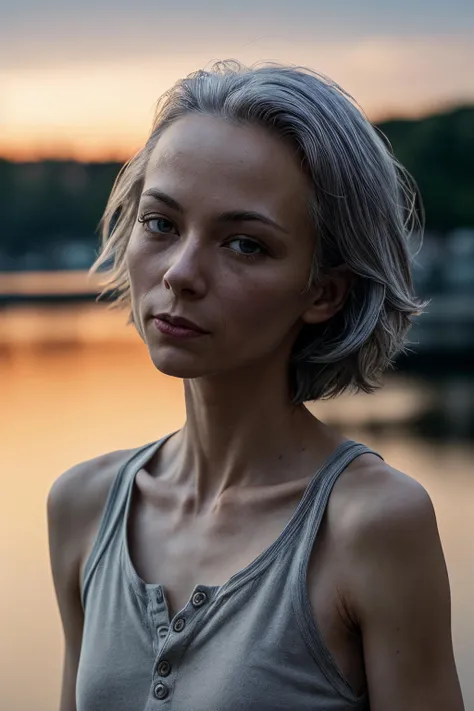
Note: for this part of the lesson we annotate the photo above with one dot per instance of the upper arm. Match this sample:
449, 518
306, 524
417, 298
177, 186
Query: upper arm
64, 551
74, 508
399, 594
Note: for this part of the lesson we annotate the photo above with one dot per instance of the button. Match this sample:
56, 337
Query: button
199, 598
179, 624
164, 668
162, 631
161, 691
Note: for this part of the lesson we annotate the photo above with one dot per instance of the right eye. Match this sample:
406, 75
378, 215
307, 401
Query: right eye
163, 225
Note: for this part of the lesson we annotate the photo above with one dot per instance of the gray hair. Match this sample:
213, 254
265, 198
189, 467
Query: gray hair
365, 208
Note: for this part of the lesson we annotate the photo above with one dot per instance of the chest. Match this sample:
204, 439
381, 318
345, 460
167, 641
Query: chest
180, 550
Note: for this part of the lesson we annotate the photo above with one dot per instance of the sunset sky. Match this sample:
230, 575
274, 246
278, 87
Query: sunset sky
82, 80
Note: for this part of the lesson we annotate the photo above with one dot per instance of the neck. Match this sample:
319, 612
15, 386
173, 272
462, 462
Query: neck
242, 431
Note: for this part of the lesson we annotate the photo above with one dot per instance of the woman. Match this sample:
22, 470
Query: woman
256, 558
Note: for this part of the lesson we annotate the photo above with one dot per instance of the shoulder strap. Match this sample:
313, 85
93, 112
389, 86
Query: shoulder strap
343, 457
113, 509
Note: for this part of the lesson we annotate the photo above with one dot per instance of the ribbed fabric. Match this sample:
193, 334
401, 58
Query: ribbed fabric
252, 643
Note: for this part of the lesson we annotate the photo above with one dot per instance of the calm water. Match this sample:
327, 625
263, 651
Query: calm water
75, 384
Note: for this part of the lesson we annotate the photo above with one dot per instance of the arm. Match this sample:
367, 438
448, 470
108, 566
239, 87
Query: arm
65, 561
399, 594
75, 504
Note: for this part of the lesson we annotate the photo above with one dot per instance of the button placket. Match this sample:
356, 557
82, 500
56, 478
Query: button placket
159, 629
172, 645
157, 616
162, 631
163, 667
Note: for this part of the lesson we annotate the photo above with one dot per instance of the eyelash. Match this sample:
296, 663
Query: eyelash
145, 219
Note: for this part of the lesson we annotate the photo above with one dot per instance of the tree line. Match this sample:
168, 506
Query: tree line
51, 201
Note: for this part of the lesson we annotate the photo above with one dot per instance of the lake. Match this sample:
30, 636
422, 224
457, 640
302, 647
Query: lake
76, 382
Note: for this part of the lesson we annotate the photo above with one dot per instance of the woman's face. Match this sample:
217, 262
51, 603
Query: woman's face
200, 255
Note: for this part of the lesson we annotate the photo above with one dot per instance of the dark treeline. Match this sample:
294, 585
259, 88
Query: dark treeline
51, 203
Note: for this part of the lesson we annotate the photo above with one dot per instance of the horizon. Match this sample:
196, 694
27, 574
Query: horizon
122, 155
82, 82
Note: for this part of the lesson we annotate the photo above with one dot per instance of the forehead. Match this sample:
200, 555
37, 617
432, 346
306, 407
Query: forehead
216, 158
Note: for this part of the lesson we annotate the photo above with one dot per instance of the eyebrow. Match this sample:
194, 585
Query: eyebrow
231, 216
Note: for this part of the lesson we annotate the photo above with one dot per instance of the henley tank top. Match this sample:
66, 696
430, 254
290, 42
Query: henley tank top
252, 643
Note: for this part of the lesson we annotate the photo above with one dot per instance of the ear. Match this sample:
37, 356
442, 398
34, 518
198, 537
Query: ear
330, 295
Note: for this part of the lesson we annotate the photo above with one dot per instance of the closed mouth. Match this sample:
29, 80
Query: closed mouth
180, 322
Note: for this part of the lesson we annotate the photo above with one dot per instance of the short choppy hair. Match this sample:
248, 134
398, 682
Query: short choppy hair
365, 207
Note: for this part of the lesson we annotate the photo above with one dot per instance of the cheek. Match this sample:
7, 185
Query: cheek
267, 305
138, 266
131, 254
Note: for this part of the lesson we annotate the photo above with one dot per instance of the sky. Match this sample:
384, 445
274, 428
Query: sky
82, 80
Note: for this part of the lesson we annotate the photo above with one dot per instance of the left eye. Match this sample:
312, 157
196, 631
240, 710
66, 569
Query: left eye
163, 225
248, 242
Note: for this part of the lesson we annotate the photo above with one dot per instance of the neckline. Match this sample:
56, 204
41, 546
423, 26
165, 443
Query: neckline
257, 564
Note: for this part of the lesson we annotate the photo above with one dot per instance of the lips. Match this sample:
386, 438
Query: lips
180, 321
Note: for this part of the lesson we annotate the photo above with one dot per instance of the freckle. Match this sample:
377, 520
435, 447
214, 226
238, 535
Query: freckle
398, 651
303, 449
280, 456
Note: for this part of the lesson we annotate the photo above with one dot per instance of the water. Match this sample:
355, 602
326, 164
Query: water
77, 383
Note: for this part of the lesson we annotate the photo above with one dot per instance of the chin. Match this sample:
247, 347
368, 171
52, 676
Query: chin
171, 364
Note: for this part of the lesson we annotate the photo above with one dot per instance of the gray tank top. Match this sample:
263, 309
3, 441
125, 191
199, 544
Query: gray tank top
252, 643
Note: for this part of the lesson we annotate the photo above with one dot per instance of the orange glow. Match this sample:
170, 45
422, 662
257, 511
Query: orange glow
76, 383
103, 110
24, 148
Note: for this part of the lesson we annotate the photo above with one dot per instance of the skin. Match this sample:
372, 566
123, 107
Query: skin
252, 308
223, 487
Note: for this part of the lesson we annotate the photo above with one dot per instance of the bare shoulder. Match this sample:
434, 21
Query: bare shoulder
83, 488
77, 497
382, 520
395, 588
371, 494
74, 505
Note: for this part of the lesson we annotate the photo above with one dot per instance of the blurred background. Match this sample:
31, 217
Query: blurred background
78, 87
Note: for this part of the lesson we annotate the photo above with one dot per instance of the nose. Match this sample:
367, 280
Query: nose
185, 271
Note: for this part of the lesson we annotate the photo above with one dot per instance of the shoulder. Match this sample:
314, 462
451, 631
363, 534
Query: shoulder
74, 502
84, 483
371, 496
386, 525
77, 497
395, 589
389, 502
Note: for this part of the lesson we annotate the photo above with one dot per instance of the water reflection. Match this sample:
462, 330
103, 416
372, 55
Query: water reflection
78, 383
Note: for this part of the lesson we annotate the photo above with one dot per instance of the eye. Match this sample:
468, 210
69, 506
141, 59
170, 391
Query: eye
251, 243
163, 225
